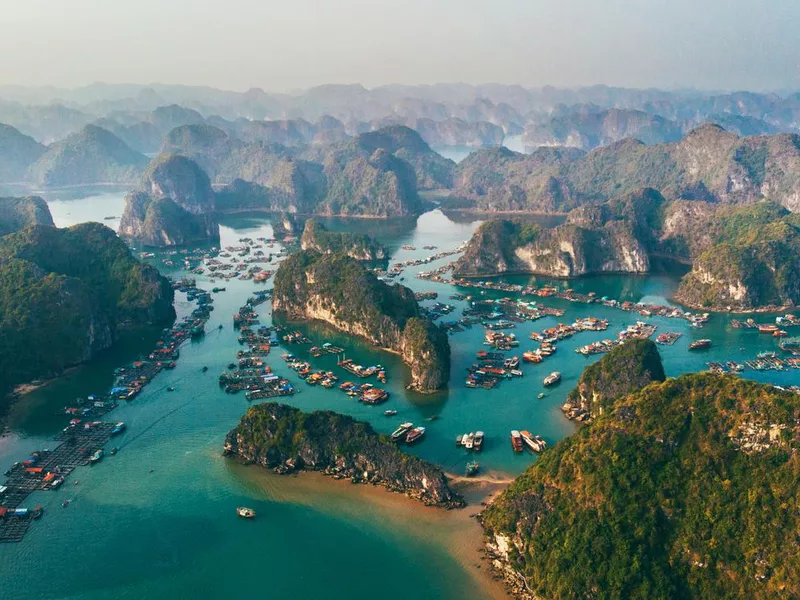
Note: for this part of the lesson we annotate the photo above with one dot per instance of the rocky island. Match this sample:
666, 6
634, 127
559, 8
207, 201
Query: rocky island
624, 370
651, 499
355, 245
173, 207
339, 291
67, 294
286, 439
89, 156
753, 263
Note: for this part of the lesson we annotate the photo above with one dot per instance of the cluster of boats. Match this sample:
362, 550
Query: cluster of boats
408, 433
538, 355
638, 331
523, 439
471, 441
562, 332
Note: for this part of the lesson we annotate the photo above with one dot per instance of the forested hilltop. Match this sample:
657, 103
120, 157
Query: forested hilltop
66, 294
685, 489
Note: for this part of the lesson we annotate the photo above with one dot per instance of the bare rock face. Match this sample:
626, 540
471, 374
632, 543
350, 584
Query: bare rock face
174, 206
285, 439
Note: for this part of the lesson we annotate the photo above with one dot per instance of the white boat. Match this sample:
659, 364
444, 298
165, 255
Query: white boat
553, 378
470, 441
245, 513
401, 431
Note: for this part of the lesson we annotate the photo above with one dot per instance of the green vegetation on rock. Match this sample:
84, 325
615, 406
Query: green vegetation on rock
92, 155
355, 245
626, 369
338, 290
685, 489
284, 438
66, 294
18, 213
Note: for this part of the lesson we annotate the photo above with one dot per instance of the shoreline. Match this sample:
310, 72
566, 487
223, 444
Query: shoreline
457, 532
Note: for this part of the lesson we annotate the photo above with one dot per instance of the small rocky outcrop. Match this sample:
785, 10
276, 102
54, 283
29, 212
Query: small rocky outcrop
355, 245
338, 290
173, 207
285, 439
624, 370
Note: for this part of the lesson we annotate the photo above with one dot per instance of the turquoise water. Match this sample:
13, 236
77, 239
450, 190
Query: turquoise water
157, 521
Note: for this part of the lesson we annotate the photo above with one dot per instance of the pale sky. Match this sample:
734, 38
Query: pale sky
280, 45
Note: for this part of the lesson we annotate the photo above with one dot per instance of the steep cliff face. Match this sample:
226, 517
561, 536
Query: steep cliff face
173, 207
338, 290
567, 250
624, 370
426, 349
283, 438
18, 213
358, 246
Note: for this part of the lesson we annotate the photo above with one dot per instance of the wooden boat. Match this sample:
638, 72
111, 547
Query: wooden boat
700, 344
415, 435
478, 441
516, 441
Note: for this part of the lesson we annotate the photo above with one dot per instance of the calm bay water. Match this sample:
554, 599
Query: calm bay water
157, 520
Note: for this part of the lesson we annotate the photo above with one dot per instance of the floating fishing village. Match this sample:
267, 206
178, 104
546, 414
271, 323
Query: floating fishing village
83, 440
503, 357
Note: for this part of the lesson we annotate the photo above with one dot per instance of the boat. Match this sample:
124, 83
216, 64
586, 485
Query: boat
553, 378
204, 369
118, 428
415, 435
65, 503
541, 395
472, 469
401, 431
96, 456
459, 440
113, 451
534, 442
390, 412
478, 441
700, 344
516, 441
170, 389
469, 442
245, 513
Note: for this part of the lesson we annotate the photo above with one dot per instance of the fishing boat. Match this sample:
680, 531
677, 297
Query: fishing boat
532, 356
516, 441
245, 513
415, 435
118, 428
472, 469
700, 344
96, 456
552, 379
401, 431
478, 441
390, 413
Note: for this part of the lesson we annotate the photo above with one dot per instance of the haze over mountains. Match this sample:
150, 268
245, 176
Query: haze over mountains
444, 114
